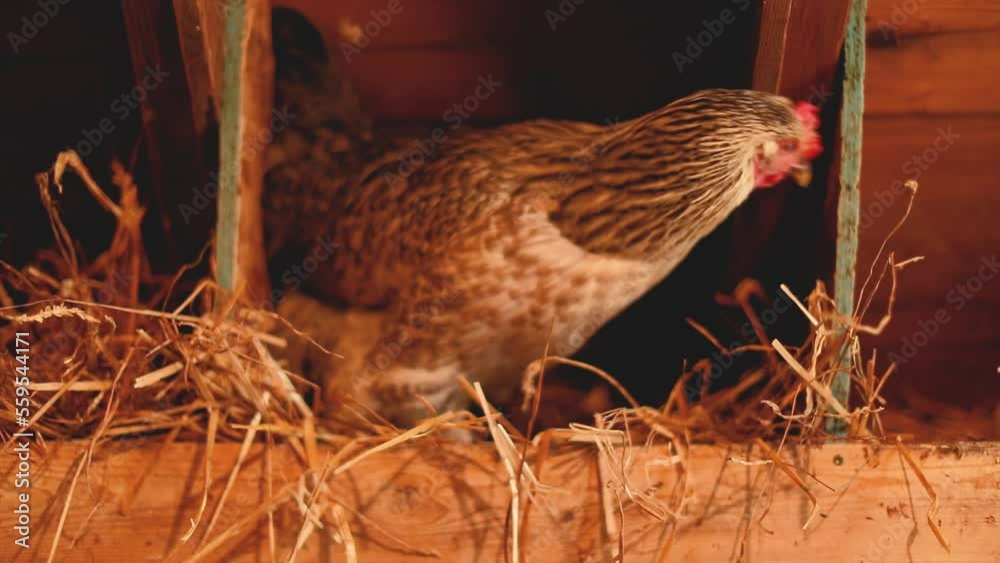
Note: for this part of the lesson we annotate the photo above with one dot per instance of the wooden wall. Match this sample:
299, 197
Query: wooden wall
65, 75
558, 59
933, 73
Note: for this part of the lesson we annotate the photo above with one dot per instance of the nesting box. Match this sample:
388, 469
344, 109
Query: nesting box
603, 499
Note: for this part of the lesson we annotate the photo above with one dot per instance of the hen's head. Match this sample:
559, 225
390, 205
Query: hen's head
790, 148
680, 171
755, 133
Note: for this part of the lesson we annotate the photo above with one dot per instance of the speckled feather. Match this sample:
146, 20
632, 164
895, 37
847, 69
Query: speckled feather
505, 239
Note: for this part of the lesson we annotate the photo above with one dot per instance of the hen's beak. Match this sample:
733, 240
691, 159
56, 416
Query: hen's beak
802, 174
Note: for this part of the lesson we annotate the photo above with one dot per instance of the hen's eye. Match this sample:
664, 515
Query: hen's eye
789, 145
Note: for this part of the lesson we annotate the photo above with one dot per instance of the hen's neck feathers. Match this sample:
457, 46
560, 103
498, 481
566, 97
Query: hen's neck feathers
666, 179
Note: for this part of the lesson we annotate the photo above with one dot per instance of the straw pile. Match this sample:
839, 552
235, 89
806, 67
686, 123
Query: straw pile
110, 362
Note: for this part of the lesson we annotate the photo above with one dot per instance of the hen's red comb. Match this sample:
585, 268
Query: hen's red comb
809, 115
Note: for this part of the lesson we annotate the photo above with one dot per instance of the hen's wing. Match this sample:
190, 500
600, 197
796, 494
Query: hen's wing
409, 211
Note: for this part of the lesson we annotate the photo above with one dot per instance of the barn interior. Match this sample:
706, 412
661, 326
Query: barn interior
134, 93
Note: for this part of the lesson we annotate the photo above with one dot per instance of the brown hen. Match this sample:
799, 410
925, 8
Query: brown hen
467, 262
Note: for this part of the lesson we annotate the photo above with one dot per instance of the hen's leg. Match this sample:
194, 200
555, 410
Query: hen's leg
406, 395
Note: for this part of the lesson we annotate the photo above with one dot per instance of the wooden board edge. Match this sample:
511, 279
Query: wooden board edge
419, 494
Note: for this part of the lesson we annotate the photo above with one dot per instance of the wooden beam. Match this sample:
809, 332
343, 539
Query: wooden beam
139, 498
227, 47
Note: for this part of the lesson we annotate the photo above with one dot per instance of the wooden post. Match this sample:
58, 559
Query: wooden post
229, 61
799, 54
849, 203
239, 235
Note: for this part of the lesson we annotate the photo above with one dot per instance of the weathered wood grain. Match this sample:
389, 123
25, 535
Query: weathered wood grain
138, 499
953, 222
953, 225
933, 69
953, 73
888, 19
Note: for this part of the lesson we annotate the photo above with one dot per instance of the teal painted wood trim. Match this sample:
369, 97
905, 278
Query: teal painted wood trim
849, 205
230, 139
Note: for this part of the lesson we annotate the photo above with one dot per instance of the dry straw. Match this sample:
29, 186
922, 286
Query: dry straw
116, 363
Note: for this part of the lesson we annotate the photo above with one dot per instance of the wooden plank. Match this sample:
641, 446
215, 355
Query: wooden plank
200, 44
889, 20
952, 74
952, 223
422, 62
139, 498
799, 45
229, 222
972, 327
257, 78
431, 23
773, 35
951, 371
